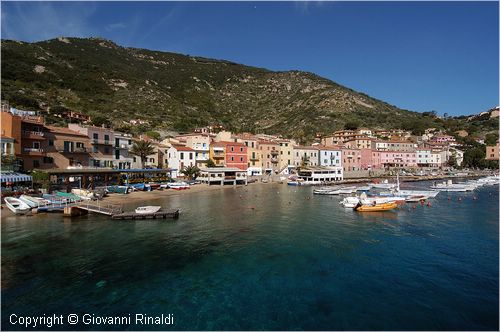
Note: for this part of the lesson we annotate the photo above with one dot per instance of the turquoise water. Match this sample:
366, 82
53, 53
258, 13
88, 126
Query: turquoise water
267, 257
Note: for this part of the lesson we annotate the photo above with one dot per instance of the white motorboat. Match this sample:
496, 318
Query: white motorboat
428, 193
353, 201
364, 188
178, 185
384, 185
350, 202
147, 209
34, 202
450, 186
334, 190
16, 205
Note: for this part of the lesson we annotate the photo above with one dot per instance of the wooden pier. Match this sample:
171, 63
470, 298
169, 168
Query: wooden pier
174, 214
96, 207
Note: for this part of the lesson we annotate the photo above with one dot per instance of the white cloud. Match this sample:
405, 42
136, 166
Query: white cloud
114, 26
34, 21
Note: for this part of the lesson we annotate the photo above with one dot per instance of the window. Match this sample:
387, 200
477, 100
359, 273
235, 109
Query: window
36, 145
106, 149
79, 144
48, 160
94, 149
241, 149
232, 149
106, 138
232, 158
190, 155
241, 159
182, 155
96, 136
51, 142
36, 163
117, 154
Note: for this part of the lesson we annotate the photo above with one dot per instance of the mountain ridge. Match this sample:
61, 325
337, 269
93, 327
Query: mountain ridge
112, 83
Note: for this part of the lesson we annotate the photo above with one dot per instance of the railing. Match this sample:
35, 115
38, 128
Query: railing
27, 133
74, 150
104, 142
108, 209
33, 150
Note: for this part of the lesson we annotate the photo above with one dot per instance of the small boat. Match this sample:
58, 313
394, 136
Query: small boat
68, 197
294, 183
147, 209
324, 190
34, 202
141, 187
384, 185
178, 185
118, 189
16, 205
376, 207
154, 185
334, 190
450, 186
364, 188
350, 202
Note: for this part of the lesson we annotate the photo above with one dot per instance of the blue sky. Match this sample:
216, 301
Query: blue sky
419, 56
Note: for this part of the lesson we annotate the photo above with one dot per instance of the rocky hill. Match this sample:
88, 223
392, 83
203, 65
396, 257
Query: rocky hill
174, 91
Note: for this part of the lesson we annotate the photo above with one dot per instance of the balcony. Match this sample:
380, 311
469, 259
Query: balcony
30, 134
100, 142
121, 146
74, 150
274, 153
33, 152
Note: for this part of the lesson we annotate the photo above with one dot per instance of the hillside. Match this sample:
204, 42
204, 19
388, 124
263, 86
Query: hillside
174, 91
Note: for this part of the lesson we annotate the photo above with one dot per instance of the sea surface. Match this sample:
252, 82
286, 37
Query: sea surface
262, 257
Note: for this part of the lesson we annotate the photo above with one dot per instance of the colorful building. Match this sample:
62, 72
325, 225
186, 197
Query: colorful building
305, 156
370, 159
269, 156
398, 159
178, 157
351, 159
102, 153
492, 152
66, 148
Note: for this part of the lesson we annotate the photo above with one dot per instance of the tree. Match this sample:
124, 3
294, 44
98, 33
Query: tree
192, 172
210, 163
351, 125
491, 139
304, 161
154, 134
142, 149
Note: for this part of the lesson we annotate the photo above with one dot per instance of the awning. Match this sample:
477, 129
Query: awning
14, 177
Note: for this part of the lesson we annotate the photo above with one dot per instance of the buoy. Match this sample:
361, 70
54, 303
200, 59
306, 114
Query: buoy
459, 199
449, 198
415, 206
429, 204
474, 198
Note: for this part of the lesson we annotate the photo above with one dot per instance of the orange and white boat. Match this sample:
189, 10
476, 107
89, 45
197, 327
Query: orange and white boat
376, 207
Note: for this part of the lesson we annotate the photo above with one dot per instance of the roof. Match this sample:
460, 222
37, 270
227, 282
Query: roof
301, 147
224, 143
64, 130
267, 142
182, 148
221, 169
329, 147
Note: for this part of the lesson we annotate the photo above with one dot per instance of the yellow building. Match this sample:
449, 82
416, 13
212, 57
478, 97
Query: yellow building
285, 157
218, 153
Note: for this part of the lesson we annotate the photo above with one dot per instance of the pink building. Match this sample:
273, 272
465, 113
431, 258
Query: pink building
391, 159
443, 139
370, 159
351, 159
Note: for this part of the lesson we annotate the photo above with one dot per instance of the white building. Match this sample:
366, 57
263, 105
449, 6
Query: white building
123, 144
424, 157
178, 157
309, 154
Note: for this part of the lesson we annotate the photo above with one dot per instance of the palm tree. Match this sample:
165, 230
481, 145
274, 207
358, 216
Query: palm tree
304, 161
191, 172
142, 149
